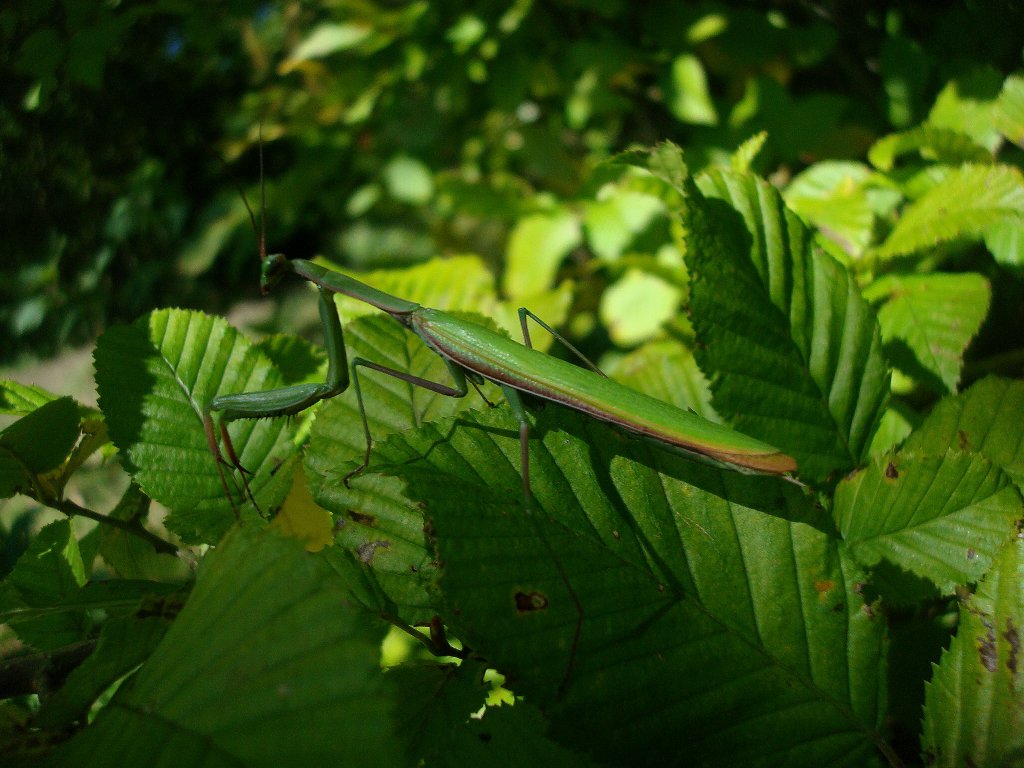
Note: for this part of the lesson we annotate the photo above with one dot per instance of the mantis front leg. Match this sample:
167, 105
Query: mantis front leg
285, 401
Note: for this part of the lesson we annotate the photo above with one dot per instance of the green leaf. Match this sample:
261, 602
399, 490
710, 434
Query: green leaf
124, 644
298, 361
408, 180
536, 247
941, 145
966, 105
327, 38
154, 380
1008, 114
832, 197
37, 443
969, 201
790, 348
1005, 241
743, 157
129, 556
613, 222
20, 399
645, 572
690, 100
635, 307
928, 321
941, 516
434, 718
988, 419
377, 523
973, 713
47, 573
267, 664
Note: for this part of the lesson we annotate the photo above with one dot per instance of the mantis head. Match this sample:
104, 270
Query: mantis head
273, 268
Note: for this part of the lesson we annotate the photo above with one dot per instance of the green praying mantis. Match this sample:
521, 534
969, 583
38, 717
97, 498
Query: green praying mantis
474, 354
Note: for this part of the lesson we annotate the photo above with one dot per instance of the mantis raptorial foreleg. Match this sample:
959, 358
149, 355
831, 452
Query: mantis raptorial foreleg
284, 401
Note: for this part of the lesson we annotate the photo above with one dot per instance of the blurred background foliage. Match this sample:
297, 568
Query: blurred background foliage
398, 131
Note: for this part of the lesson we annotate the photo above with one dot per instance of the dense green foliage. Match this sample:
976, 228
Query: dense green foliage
831, 262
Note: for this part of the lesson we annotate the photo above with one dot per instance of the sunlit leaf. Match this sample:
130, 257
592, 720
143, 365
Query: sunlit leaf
154, 380
690, 99
942, 516
1008, 115
928, 320
965, 204
791, 350
536, 247
988, 419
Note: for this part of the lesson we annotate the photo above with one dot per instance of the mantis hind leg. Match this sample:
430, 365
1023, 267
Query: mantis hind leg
461, 389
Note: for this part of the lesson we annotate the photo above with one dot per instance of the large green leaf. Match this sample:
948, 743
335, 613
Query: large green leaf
791, 349
928, 321
125, 642
154, 379
988, 419
268, 664
942, 516
376, 521
974, 703
967, 202
655, 608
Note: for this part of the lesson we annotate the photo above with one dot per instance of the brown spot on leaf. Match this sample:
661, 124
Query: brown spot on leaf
987, 646
528, 603
359, 517
365, 550
616, 535
891, 472
868, 611
962, 439
971, 554
824, 586
1013, 639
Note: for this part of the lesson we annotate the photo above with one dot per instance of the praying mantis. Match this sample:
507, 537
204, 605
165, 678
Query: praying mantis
474, 354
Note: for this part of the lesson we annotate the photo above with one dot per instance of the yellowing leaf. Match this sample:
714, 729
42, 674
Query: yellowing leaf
301, 518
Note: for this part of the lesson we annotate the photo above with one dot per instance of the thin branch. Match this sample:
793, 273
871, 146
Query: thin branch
70, 508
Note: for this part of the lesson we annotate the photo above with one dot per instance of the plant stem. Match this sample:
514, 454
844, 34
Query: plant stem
70, 508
